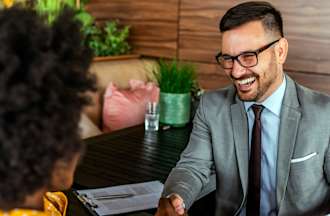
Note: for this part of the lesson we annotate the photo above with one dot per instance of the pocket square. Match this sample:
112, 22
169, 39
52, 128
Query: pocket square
301, 159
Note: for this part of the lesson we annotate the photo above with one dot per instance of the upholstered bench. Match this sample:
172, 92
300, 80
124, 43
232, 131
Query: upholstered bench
119, 72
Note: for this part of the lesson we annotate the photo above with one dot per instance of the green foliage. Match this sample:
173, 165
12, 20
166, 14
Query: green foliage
104, 40
51, 8
83, 2
174, 77
85, 18
107, 39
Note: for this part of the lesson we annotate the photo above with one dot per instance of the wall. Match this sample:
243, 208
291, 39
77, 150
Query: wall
154, 23
188, 30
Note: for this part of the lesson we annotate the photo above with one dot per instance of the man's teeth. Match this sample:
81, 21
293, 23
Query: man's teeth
246, 81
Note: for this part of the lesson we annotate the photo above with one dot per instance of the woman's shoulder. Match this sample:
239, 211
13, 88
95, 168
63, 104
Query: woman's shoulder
55, 204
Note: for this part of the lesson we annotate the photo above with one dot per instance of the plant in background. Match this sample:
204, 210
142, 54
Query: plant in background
51, 8
174, 77
176, 81
107, 39
104, 40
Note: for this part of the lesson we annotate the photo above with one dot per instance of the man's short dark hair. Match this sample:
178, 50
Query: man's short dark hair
43, 80
253, 11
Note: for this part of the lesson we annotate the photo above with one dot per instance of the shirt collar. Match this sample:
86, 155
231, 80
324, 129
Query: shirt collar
274, 102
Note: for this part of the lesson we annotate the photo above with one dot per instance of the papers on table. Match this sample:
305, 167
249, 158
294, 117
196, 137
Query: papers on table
121, 199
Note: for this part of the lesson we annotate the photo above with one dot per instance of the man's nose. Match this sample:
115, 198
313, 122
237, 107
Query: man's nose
238, 70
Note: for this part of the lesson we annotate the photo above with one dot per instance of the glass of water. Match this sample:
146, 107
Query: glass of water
151, 120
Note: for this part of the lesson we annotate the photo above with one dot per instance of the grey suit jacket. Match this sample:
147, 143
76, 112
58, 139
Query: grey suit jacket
219, 144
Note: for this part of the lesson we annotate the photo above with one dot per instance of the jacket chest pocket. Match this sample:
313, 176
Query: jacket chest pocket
306, 173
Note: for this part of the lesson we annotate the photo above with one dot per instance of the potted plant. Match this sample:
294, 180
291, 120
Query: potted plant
176, 82
105, 39
50, 9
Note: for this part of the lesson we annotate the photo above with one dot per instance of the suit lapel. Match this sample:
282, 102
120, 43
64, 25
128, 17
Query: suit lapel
290, 118
240, 131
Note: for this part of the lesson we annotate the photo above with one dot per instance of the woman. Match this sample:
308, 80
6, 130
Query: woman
43, 80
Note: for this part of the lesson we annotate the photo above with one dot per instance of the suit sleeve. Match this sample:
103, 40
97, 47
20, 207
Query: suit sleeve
327, 163
192, 172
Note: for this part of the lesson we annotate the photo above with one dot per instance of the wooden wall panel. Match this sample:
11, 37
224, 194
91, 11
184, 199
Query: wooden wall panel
199, 36
318, 82
211, 76
154, 23
307, 28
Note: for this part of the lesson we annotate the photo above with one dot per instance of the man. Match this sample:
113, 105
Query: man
265, 137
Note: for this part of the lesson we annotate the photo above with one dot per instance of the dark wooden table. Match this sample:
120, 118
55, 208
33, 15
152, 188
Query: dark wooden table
127, 156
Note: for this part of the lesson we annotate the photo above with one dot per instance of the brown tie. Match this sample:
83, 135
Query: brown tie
253, 199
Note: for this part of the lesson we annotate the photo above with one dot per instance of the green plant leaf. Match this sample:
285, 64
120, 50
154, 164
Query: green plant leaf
50, 9
111, 39
107, 39
174, 77
85, 18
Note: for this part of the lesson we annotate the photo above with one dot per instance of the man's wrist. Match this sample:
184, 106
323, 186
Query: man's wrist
178, 196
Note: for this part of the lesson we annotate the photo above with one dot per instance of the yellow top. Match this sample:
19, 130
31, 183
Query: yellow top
55, 204
8, 3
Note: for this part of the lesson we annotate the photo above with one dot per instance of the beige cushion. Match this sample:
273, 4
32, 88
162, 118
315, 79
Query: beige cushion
87, 127
121, 71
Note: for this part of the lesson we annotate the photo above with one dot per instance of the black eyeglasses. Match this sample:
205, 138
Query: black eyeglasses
245, 59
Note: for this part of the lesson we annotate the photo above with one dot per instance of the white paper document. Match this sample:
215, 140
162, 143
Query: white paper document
121, 199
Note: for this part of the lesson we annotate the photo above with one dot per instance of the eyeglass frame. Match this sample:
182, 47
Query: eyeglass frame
255, 52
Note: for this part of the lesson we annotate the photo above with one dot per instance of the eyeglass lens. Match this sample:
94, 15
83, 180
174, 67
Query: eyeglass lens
245, 60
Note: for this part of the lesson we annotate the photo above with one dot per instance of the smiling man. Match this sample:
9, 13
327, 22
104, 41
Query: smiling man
262, 142
254, 80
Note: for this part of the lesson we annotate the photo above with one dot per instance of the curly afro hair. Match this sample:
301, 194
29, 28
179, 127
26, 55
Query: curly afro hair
43, 80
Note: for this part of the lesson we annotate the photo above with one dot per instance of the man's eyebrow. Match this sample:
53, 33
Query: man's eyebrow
247, 51
225, 54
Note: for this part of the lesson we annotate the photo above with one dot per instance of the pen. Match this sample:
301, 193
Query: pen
114, 196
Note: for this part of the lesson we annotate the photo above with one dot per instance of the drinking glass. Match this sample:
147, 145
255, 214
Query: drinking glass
151, 120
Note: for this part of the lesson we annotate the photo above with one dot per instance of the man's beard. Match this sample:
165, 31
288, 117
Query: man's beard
264, 83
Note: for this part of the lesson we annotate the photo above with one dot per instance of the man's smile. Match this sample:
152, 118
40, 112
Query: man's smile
245, 84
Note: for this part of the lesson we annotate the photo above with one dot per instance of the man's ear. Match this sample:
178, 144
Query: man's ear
282, 50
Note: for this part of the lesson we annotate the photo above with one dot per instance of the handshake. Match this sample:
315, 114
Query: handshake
172, 205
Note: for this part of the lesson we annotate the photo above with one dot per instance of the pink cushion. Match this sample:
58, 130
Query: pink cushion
126, 108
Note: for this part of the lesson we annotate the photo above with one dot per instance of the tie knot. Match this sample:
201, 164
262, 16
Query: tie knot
257, 109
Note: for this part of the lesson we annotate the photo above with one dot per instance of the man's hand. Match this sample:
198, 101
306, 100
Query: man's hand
172, 206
